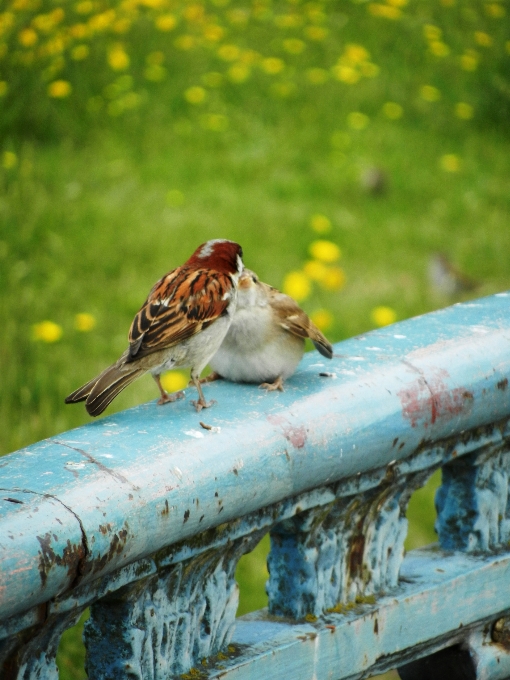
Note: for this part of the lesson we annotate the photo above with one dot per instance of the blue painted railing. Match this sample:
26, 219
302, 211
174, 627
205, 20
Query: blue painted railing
144, 515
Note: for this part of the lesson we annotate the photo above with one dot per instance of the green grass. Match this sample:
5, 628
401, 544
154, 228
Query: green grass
96, 203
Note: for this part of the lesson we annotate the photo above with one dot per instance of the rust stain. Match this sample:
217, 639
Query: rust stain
502, 384
166, 509
186, 516
426, 401
356, 555
71, 556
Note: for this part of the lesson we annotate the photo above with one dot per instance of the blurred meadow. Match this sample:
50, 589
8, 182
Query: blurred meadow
357, 150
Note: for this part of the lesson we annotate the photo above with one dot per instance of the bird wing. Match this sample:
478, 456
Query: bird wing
296, 321
180, 305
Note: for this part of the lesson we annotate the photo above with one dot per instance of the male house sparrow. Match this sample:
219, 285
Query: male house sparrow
182, 323
266, 339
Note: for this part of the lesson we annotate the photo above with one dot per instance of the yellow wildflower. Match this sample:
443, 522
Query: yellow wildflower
293, 45
78, 31
357, 120
334, 279
397, 3
194, 13
320, 223
325, 251
122, 25
483, 39
213, 32
450, 162
288, 20
100, 22
195, 95
432, 32
383, 316
3, 88
322, 319
316, 76
430, 93
155, 73
47, 331
316, 32
165, 22
297, 285
272, 65
439, 49
27, 37
238, 16
84, 322
174, 381
495, 10
229, 52
59, 89
118, 59
238, 73
392, 110
464, 111
355, 54
469, 60
315, 270
346, 74
84, 7
9, 160
386, 11
282, 90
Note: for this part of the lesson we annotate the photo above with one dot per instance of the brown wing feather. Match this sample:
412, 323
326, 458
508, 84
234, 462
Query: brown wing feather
293, 319
181, 304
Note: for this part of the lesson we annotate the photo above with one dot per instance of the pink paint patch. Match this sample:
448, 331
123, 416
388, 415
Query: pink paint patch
295, 435
426, 401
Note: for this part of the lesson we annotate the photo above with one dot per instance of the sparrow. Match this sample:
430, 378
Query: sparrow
266, 339
181, 324
446, 279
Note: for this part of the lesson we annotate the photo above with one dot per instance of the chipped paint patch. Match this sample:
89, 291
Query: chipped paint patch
195, 433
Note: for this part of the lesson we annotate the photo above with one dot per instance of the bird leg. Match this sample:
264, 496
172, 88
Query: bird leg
276, 385
201, 402
165, 397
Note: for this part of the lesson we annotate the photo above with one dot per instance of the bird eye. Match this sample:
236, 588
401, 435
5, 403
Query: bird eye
255, 279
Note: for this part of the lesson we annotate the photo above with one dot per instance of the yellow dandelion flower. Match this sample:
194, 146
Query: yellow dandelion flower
397, 3
323, 319
165, 22
216, 122
430, 93
483, 39
175, 198
469, 60
316, 33
356, 54
6, 22
297, 285
195, 95
293, 46
122, 25
3, 88
84, 322
450, 162
78, 31
238, 16
383, 316
316, 76
185, 42
155, 73
118, 58
249, 57
59, 89
80, 52
212, 79
325, 251
495, 10
439, 49
334, 279
315, 270
288, 20
229, 52
387, 11
47, 331
27, 37
464, 111
84, 7
213, 32
357, 120
194, 13
238, 73
153, 4
346, 74
100, 22
320, 223
9, 160
174, 381
432, 32
392, 110
272, 65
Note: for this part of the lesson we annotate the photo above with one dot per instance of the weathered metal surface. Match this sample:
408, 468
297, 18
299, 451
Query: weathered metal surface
442, 594
145, 514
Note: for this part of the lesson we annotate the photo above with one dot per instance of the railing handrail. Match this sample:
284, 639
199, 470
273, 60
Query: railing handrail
101, 496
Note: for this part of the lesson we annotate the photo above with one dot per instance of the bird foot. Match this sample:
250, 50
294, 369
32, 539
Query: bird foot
201, 403
272, 387
167, 398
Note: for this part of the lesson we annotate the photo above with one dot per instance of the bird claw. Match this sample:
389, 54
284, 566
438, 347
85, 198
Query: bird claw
272, 387
167, 398
199, 405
